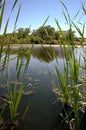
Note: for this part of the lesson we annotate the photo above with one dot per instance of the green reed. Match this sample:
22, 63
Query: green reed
14, 95
67, 90
14, 98
68, 83
71, 90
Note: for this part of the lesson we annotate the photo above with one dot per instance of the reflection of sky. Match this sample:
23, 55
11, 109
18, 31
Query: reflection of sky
38, 69
36, 65
37, 85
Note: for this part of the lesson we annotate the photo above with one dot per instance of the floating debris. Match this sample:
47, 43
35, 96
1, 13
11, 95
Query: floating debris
3, 85
30, 92
16, 82
37, 80
29, 85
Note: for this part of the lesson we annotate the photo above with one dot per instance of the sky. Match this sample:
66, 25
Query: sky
34, 12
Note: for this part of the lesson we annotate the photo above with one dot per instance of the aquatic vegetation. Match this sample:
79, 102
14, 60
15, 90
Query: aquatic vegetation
71, 85
11, 101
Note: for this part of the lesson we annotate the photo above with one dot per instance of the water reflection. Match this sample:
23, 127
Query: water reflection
43, 54
37, 84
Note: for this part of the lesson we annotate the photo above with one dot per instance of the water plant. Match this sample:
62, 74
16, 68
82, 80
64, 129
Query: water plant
14, 95
70, 89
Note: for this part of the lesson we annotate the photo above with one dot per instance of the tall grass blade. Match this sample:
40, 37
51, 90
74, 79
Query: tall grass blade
83, 8
65, 17
20, 64
6, 27
17, 17
2, 13
18, 98
64, 5
1, 5
83, 30
15, 94
2, 111
26, 110
76, 14
78, 29
28, 59
15, 2
58, 26
45, 21
66, 10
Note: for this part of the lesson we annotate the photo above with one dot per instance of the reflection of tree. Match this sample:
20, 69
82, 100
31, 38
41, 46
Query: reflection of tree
46, 54
21, 54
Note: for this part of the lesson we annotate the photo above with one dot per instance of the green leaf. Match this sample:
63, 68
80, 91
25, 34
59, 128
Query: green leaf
2, 13
66, 10
78, 29
65, 17
15, 2
26, 110
64, 5
17, 17
6, 26
45, 21
83, 8
83, 30
28, 59
76, 14
18, 98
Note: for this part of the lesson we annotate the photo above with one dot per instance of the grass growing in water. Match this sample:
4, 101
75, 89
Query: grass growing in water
71, 89
69, 83
14, 95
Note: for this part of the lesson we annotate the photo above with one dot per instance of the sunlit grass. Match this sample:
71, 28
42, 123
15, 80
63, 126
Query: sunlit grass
14, 94
71, 90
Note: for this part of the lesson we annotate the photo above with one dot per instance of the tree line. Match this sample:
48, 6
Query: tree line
42, 35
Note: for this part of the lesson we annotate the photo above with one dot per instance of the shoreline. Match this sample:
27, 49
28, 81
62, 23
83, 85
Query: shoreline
28, 46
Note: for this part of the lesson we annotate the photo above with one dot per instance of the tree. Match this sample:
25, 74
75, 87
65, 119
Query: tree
57, 35
45, 32
23, 33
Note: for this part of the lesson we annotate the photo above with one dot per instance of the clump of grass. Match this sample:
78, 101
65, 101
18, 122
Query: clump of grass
14, 96
71, 90
68, 90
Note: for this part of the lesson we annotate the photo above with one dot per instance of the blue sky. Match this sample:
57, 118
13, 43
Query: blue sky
34, 13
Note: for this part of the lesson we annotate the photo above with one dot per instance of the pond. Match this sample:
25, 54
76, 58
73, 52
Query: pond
37, 84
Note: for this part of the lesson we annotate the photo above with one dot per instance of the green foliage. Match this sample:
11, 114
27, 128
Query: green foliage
71, 86
69, 82
14, 96
17, 14
36, 40
68, 90
14, 99
23, 33
2, 12
47, 33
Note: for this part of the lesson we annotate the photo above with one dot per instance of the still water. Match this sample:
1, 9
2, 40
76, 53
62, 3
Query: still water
37, 85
